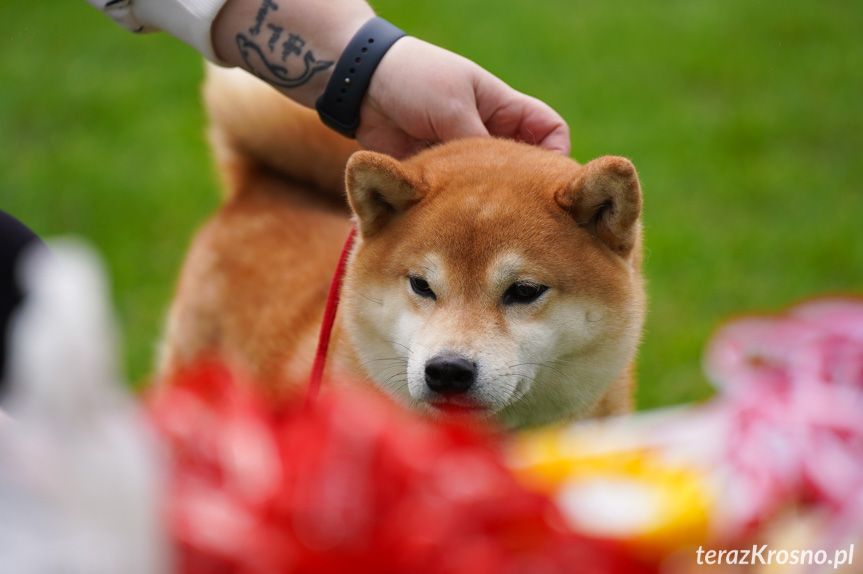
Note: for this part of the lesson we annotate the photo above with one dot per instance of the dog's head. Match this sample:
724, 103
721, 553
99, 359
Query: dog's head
494, 276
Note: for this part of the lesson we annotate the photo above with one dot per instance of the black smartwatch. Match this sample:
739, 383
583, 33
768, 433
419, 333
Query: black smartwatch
339, 105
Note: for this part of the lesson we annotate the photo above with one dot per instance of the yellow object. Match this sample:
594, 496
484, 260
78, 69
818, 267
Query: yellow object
613, 488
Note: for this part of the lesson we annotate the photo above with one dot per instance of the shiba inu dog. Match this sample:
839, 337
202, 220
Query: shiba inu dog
488, 276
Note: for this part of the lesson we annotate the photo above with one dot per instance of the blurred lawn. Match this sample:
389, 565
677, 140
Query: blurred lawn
744, 118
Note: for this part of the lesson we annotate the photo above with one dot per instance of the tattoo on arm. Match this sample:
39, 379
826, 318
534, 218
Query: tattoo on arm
274, 37
293, 68
265, 8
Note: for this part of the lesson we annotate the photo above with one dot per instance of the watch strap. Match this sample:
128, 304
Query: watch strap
339, 105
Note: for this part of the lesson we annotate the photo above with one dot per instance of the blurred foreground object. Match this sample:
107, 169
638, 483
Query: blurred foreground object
79, 477
776, 457
792, 391
357, 484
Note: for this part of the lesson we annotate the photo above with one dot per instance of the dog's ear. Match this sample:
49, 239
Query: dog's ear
379, 189
605, 199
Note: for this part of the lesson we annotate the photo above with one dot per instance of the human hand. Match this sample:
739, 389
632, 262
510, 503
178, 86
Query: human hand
421, 94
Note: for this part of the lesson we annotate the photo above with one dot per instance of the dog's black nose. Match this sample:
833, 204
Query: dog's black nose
450, 374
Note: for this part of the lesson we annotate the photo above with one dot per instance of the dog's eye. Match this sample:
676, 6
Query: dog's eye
421, 287
523, 292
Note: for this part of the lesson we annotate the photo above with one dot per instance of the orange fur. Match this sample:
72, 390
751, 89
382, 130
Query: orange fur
473, 215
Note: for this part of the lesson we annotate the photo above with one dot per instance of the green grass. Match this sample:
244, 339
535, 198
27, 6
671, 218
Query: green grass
744, 118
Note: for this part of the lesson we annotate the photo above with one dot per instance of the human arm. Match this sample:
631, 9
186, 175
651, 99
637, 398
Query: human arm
419, 94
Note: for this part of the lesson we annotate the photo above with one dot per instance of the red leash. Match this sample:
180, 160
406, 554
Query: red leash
329, 320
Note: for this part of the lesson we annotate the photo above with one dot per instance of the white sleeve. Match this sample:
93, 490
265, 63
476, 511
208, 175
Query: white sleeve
187, 20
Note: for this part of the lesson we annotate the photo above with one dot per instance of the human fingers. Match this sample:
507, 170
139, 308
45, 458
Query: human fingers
510, 114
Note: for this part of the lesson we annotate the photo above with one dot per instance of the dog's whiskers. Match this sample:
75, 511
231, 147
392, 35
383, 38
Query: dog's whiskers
545, 364
562, 362
403, 346
571, 386
373, 300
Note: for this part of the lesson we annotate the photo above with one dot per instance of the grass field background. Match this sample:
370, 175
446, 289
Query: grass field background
744, 118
